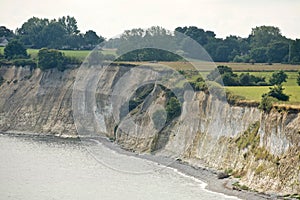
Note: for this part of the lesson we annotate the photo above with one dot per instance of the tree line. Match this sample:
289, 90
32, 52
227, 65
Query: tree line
61, 33
265, 44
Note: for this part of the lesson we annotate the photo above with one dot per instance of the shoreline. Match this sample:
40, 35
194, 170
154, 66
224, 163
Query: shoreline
206, 175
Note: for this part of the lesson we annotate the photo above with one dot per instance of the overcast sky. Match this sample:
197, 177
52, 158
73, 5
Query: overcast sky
111, 17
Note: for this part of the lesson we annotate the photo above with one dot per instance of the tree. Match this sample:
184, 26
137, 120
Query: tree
54, 35
298, 78
5, 32
69, 24
245, 79
14, 49
92, 39
50, 58
277, 92
221, 69
278, 77
278, 52
222, 54
259, 54
31, 32
228, 79
262, 36
173, 108
295, 51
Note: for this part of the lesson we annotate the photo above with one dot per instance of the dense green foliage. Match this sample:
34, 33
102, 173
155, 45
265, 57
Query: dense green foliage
50, 58
5, 32
136, 45
14, 50
173, 108
295, 51
224, 75
277, 92
60, 34
265, 44
278, 77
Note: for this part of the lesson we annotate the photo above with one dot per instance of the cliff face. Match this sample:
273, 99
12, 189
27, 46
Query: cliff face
262, 149
36, 102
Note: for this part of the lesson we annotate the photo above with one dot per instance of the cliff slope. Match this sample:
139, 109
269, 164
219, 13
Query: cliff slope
263, 149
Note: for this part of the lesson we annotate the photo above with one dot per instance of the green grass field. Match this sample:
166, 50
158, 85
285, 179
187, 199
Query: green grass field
255, 92
249, 92
81, 54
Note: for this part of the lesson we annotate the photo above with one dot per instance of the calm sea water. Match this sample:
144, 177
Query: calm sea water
35, 168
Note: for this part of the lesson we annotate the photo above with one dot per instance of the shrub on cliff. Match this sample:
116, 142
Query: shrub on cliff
50, 58
266, 103
24, 62
14, 49
277, 92
173, 108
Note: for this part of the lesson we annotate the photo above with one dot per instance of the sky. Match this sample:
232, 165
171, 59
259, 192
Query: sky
111, 17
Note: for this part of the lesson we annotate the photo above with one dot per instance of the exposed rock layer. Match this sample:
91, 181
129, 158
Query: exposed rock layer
263, 149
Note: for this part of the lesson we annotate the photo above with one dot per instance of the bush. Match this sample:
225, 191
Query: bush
224, 75
277, 92
228, 79
24, 62
246, 79
213, 75
173, 108
278, 77
14, 49
266, 103
198, 86
50, 58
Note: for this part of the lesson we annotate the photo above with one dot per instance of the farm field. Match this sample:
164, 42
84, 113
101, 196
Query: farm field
249, 92
81, 54
237, 67
255, 92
